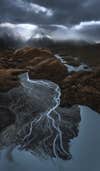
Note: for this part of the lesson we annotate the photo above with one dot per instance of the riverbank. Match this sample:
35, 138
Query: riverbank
81, 87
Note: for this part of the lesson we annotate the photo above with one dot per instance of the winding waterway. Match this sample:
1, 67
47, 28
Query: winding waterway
48, 137
85, 150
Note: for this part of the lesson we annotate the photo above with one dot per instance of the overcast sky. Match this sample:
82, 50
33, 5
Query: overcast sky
73, 18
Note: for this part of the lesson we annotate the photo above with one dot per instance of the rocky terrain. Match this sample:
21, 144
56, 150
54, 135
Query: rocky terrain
77, 88
40, 63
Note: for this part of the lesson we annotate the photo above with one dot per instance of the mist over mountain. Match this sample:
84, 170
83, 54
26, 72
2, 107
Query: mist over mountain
24, 20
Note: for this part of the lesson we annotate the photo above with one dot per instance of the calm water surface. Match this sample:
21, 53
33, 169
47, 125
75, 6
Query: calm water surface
85, 150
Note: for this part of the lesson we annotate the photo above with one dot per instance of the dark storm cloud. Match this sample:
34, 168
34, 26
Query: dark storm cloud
62, 19
23, 11
73, 11
89, 30
49, 11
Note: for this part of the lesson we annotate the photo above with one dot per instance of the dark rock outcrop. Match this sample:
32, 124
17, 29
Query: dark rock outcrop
6, 117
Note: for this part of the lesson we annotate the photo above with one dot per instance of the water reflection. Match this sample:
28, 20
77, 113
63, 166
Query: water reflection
85, 151
41, 126
41, 140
